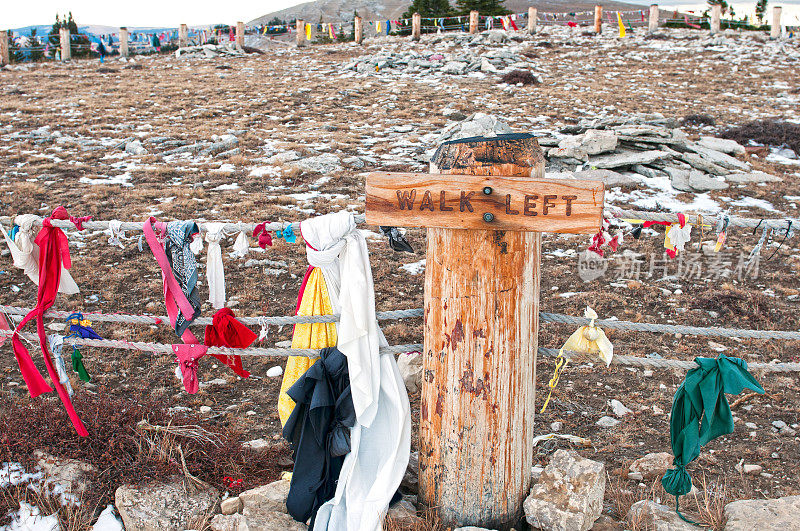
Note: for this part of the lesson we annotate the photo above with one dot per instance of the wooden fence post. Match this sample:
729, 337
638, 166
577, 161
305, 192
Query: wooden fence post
775, 28
123, 42
4, 57
240, 34
301, 32
183, 36
484, 219
66, 51
358, 31
416, 26
716, 15
598, 19
473, 21
532, 14
652, 23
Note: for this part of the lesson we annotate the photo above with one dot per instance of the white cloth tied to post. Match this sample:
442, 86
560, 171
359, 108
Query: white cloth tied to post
115, 233
381, 439
240, 246
215, 272
25, 253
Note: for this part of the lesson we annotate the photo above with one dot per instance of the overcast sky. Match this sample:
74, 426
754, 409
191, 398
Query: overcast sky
19, 13
170, 13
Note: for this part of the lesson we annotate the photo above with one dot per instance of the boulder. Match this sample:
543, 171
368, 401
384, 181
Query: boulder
777, 514
411, 478
108, 521
731, 147
487, 67
478, 124
135, 147
647, 514
497, 36
230, 505
752, 177
325, 163
455, 68
70, 476
410, 366
168, 506
572, 151
269, 521
609, 177
650, 466
607, 422
568, 495
266, 498
628, 158
596, 141
679, 179
404, 513
719, 158
703, 183
696, 161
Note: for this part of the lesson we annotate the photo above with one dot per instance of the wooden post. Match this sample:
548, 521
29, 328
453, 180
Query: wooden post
123, 42
484, 219
66, 51
301, 32
716, 15
358, 30
4, 57
532, 14
240, 34
598, 19
416, 26
473, 22
183, 36
652, 23
775, 28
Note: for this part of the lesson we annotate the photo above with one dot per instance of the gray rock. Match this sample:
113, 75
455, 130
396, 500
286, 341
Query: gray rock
718, 158
777, 514
696, 161
731, 147
454, 67
596, 141
410, 366
472, 528
404, 513
478, 124
627, 158
650, 466
283, 157
647, 171
227, 143
679, 179
752, 177
568, 495
497, 36
325, 163
487, 67
704, 183
164, 507
411, 477
266, 498
230, 505
647, 514
570, 151
607, 422
70, 476
609, 177
135, 148
268, 521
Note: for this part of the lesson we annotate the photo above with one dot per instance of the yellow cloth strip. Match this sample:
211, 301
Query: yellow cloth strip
315, 301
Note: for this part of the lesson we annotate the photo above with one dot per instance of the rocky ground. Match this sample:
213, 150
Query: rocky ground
291, 133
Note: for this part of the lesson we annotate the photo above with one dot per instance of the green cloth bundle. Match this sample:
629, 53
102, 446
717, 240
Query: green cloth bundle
78, 366
700, 413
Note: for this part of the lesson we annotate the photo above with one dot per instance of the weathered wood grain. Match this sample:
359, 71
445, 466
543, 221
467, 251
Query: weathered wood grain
515, 203
479, 369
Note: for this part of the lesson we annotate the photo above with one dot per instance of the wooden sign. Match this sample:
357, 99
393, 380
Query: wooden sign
485, 202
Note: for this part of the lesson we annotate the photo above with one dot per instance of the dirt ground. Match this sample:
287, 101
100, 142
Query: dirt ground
302, 101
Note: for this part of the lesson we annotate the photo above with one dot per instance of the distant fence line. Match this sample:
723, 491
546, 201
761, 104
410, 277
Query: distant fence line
139, 41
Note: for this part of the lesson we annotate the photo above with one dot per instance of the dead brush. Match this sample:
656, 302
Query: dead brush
71, 517
770, 132
427, 521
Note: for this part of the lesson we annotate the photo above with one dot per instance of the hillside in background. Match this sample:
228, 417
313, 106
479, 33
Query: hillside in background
336, 10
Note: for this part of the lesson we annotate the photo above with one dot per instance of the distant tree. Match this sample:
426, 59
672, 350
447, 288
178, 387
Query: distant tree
722, 3
761, 10
429, 9
276, 22
491, 8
